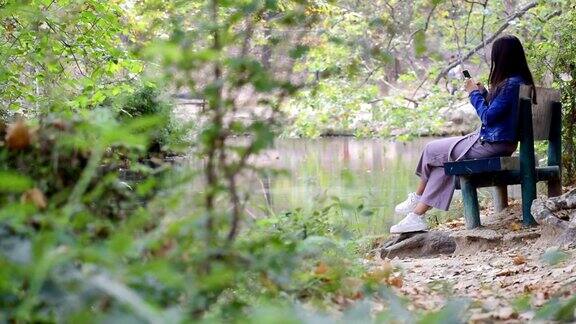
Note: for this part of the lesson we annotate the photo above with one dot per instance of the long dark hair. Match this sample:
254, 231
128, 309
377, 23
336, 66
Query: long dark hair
508, 59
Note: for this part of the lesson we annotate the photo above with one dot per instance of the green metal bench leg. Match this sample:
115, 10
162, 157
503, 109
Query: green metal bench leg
500, 198
471, 207
555, 149
528, 195
527, 162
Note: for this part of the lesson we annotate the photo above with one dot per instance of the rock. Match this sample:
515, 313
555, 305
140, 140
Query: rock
461, 118
418, 244
481, 318
505, 313
557, 218
472, 241
519, 237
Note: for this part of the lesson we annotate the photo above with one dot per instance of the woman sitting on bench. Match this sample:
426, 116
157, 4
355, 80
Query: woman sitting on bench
498, 111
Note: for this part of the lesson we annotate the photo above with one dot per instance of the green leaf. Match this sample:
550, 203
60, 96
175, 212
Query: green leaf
11, 182
299, 51
554, 256
452, 312
566, 312
420, 42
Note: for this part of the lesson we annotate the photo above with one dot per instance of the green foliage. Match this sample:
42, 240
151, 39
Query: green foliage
148, 101
551, 63
325, 111
63, 160
73, 207
62, 51
420, 43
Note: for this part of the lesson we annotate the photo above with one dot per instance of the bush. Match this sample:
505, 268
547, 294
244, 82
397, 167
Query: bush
148, 101
54, 162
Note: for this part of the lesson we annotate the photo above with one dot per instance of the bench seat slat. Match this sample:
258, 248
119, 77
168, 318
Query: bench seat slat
476, 166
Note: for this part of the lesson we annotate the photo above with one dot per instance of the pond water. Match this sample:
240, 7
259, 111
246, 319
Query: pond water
374, 173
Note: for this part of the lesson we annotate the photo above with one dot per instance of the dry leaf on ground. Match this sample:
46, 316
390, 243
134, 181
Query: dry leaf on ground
515, 227
36, 197
396, 281
519, 259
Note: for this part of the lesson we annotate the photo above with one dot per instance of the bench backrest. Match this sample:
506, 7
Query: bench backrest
542, 121
546, 113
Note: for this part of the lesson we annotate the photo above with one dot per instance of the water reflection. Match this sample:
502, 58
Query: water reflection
376, 173
373, 172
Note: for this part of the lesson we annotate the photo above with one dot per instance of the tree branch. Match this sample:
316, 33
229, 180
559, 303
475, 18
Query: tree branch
482, 29
426, 24
487, 41
468, 23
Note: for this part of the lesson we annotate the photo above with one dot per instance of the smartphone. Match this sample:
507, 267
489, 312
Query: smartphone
466, 74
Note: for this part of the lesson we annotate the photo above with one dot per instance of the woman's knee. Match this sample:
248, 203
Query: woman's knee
434, 146
434, 149
428, 148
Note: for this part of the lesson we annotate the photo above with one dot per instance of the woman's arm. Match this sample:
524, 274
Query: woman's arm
483, 90
501, 105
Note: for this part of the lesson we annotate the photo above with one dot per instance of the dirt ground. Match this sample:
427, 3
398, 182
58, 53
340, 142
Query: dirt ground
505, 282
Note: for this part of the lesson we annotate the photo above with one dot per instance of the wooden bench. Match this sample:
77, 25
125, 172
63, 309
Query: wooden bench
539, 122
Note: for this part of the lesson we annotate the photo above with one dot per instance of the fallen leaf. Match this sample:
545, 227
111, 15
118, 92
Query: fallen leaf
36, 197
519, 259
18, 136
321, 269
358, 295
515, 227
529, 288
382, 273
396, 281
506, 272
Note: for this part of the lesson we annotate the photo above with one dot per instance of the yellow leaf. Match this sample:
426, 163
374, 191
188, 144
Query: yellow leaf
36, 197
519, 259
515, 227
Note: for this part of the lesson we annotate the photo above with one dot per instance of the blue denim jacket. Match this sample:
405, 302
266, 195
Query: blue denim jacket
499, 116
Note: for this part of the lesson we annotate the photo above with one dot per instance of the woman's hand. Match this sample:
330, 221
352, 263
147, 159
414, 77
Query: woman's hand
471, 85
481, 87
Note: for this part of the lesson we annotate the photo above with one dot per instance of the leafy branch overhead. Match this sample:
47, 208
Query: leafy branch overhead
50, 47
487, 41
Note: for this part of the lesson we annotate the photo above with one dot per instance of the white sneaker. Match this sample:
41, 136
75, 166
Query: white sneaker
411, 223
408, 205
